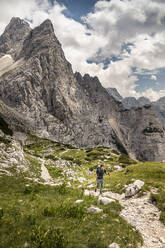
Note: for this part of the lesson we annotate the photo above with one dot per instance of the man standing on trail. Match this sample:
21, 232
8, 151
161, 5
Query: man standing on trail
99, 175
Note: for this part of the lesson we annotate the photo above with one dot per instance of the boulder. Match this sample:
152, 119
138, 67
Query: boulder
114, 245
105, 200
162, 240
86, 192
94, 210
79, 201
117, 167
68, 184
90, 186
134, 188
81, 179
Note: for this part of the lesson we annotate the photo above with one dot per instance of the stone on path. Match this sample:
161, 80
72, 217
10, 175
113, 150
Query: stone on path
162, 240
105, 200
134, 188
114, 245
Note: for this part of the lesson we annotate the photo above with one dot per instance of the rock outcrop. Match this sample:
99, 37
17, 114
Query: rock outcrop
113, 92
160, 108
40, 94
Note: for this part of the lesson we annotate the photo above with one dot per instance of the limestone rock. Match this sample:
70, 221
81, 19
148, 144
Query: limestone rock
114, 245
113, 92
117, 167
12, 39
94, 210
134, 188
105, 200
162, 240
79, 201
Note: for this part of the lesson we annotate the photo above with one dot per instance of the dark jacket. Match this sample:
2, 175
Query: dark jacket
100, 173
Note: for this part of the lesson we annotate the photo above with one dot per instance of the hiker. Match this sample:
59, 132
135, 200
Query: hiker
99, 175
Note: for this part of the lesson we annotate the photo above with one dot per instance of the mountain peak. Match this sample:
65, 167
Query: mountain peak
12, 38
48, 24
17, 21
41, 39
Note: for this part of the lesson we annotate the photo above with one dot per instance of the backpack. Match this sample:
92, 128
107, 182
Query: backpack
100, 172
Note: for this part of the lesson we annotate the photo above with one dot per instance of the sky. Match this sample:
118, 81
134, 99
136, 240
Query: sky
120, 41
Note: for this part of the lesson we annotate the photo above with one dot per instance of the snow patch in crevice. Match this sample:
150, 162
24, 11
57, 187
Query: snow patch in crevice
7, 64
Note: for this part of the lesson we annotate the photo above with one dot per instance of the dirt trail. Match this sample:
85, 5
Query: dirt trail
143, 215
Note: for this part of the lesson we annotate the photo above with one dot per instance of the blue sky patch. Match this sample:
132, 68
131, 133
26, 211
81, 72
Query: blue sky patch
77, 8
145, 81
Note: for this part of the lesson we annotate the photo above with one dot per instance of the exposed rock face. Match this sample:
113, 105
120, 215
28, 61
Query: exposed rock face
130, 102
43, 88
39, 93
144, 101
113, 92
13, 37
160, 108
141, 130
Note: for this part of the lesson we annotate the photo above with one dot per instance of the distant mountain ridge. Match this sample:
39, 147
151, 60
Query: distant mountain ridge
132, 102
40, 94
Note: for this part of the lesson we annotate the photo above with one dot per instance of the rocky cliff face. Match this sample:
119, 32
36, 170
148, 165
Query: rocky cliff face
160, 108
113, 92
40, 94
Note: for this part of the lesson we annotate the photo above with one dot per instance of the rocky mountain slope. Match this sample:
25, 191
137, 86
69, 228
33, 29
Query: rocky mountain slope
113, 92
40, 94
160, 108
132, 102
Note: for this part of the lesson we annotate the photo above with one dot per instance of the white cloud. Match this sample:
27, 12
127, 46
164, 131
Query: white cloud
139, 23
151, 94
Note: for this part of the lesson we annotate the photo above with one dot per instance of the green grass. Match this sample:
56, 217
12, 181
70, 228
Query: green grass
34, 165
54, 172
44, 217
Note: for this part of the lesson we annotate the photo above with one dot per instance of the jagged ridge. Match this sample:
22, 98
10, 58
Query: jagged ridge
66, 107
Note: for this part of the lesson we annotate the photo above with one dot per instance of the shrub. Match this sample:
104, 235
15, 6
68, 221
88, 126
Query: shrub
93, 168
48, 211
71, 211
50, 238
52, 157
65, 157
33, 189
115, 152
78, 162
124, 159
62, 189
30, 219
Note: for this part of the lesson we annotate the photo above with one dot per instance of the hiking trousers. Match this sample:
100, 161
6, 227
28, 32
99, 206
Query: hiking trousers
100, 182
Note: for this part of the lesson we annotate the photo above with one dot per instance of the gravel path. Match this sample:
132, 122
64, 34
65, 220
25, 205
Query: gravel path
144, 216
